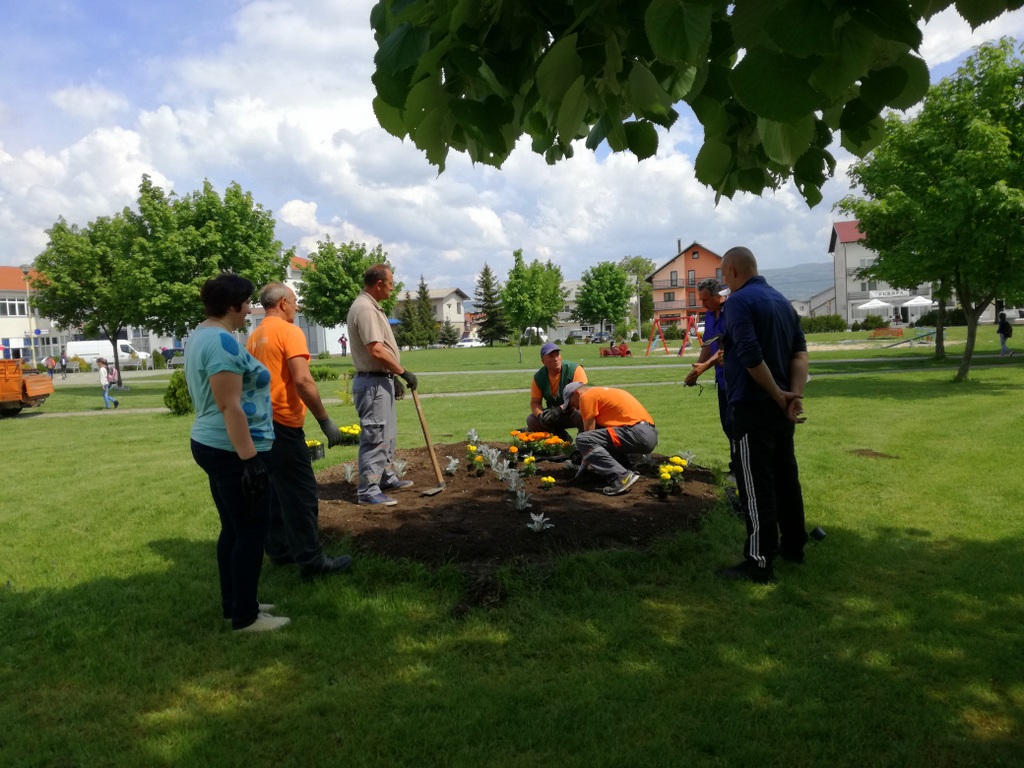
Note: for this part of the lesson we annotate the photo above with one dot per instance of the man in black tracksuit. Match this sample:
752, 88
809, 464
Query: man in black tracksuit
765, 373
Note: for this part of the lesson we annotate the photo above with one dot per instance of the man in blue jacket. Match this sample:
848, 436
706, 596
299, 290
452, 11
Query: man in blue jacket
765, 373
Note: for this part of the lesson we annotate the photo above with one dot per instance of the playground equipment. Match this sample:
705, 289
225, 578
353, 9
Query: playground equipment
688, 328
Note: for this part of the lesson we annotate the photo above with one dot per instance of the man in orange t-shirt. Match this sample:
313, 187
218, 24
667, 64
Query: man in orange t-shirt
615, 425
281, 346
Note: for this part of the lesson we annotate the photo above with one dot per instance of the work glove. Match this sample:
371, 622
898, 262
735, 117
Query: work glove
410, 379
399, 390
254, 483
331, 431
550, 416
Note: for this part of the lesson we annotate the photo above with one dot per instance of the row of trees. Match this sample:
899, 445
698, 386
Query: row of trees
145, 268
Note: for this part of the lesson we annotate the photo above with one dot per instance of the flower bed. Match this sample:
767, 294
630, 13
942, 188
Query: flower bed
540, 443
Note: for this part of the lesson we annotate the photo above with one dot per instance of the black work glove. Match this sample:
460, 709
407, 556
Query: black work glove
255, 479
331, 431
410, 378
550, 416
399, 390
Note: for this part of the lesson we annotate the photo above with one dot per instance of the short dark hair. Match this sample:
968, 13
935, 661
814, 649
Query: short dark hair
711, 285
376, 274
224, 292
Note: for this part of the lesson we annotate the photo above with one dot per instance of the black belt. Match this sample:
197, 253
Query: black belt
383, 374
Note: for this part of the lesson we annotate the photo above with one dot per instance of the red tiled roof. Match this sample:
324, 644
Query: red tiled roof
299, 263
11, 278
848, 231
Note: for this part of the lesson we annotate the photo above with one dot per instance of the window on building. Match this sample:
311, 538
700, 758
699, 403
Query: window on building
691, 277
691, 298
670, 296
12, 308
695, 255
673, 279
718, 274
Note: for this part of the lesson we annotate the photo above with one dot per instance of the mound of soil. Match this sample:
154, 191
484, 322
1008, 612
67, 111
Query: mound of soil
472, 523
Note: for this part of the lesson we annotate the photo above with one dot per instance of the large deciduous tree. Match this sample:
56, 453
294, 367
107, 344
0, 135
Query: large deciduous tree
493, 325
146, 269
533, 295
333, 278
638, 268
944, 192
604, 294
476, 75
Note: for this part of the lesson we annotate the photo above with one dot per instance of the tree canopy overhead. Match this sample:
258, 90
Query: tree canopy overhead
943, 194
770, 81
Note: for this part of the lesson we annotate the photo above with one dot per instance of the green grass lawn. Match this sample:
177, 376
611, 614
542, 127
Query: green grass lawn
897, 644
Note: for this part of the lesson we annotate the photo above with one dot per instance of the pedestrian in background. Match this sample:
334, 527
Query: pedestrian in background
1005, 331
108, 401
63, 364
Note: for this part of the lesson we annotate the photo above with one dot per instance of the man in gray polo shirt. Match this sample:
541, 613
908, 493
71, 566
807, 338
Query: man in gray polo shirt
377, 361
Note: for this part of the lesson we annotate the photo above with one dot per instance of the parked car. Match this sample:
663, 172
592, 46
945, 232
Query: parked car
579, 336
601, 337
467, 343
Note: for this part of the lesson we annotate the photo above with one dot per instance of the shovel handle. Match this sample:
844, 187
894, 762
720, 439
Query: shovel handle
426, 437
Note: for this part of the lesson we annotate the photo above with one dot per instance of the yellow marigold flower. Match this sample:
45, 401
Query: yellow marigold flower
471, 448
479, 459
529, 460
665, 476
678, 461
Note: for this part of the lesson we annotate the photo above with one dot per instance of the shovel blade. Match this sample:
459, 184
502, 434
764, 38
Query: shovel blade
433, 491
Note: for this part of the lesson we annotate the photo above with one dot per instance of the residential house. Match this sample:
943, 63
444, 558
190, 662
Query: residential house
446, 304
23, 333
849, 255
675, 282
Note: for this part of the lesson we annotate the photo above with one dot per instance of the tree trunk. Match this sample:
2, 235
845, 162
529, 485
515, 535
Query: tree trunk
940, 328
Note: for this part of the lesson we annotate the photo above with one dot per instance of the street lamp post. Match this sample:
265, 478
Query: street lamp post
25, 269
639, 333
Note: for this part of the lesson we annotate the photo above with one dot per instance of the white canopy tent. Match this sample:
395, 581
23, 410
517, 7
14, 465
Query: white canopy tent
875, 304
919, 301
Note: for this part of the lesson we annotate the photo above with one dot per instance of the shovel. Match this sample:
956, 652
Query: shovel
430, 449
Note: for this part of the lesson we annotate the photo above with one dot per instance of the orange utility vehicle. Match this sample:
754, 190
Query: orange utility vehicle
21, 389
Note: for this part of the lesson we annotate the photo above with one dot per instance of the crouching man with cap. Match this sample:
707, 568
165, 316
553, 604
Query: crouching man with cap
547, 398
614, 426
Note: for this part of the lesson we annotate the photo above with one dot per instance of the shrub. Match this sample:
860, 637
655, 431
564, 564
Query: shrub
672, 333
856, 326
954, 316
645, 329
823, 324
159, 362
323, 356
323, 373
570, 340
871, 322
176, 397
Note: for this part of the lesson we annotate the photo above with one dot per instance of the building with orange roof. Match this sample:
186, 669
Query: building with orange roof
675, 282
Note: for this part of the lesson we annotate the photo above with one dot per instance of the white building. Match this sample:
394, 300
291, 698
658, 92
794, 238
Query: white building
25, 334
849, 255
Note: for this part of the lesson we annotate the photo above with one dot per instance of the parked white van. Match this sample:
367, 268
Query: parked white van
90, 350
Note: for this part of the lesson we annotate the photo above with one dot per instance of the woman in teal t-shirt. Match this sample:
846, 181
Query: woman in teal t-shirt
231, 440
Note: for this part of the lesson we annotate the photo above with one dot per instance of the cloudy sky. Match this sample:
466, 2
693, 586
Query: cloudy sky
276, 95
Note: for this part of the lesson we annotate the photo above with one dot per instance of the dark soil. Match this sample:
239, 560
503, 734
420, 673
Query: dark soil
471, 522
472, 525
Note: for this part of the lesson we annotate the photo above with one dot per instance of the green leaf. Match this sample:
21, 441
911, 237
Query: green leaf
889, 19
402, 49
642, 139
558, 70
917, 82
803, 28
785, 142
431, 137
774, 85
647, 95
713, 163
977, 12
389, 117
882, 85
678, 31
573, 110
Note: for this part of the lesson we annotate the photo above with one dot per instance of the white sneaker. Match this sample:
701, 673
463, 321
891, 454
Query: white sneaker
266, 623
623, 485
267, 607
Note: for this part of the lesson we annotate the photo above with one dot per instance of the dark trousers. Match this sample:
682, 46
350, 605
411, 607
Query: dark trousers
768, 480
295, 509
725, 416
242, 532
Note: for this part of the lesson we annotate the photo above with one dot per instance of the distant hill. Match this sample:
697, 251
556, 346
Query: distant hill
801, 281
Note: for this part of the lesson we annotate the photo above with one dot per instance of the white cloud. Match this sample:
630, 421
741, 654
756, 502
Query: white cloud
90, 102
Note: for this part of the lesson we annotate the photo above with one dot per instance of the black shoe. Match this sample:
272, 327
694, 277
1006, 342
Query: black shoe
326, 567
792, 557
116, 403
747, 571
